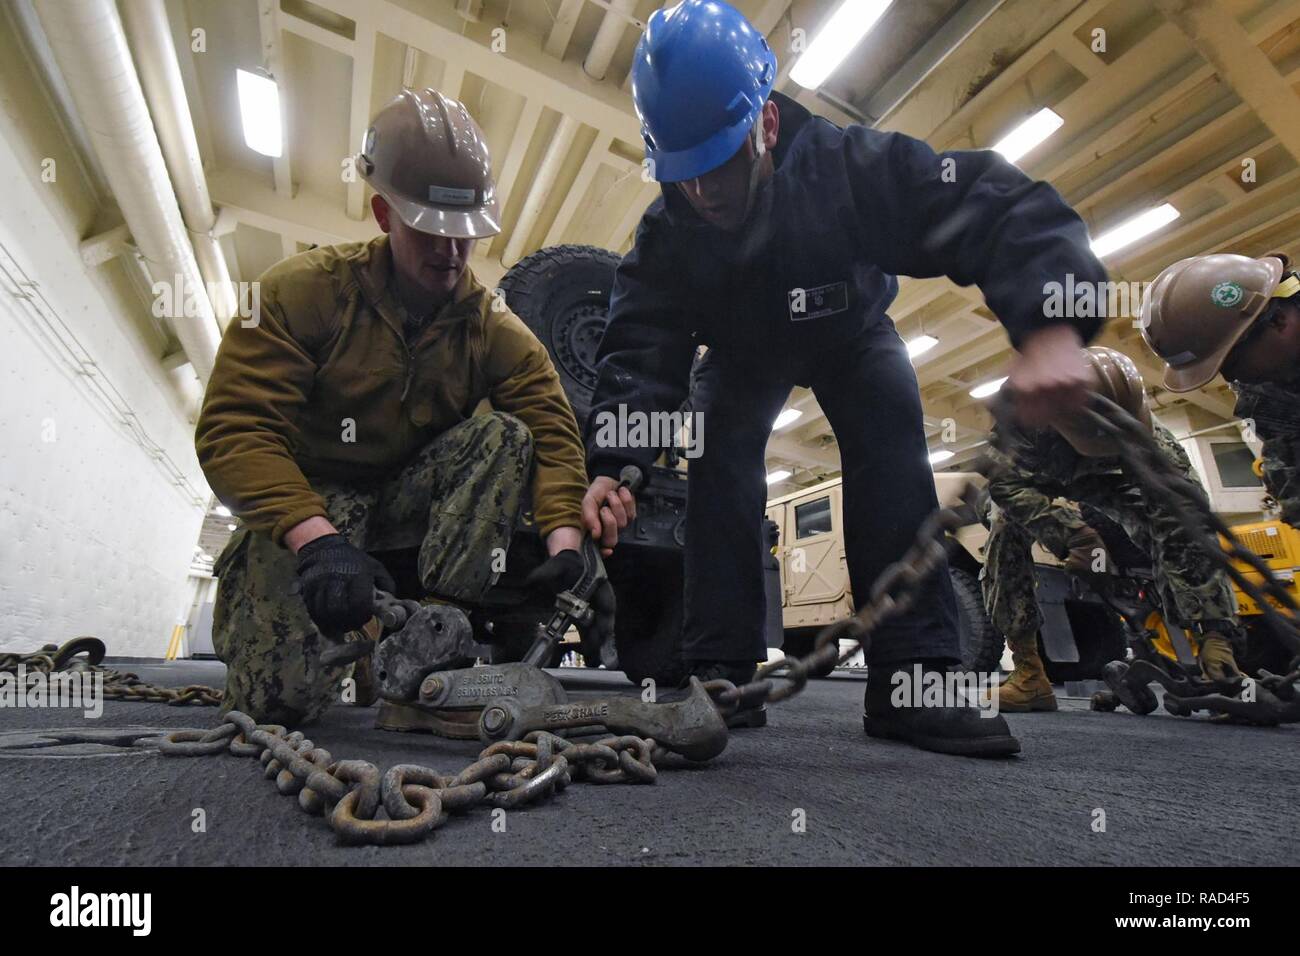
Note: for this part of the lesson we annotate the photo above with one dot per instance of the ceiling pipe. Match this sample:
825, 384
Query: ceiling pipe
548, 171
90, 48
951, 34
28, 25
150, 36
608, 37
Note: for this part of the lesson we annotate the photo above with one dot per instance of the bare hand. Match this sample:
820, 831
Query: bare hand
1050, 377
605, 509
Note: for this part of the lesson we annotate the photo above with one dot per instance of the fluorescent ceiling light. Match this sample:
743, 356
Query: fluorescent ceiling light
987, 389
1130, 231
233, 527
787, 417
920, 345
1028, 134
259, 108
223, 511
847, 25
779, 475
940, 456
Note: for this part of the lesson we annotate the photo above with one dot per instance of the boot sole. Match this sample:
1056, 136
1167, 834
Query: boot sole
957, 747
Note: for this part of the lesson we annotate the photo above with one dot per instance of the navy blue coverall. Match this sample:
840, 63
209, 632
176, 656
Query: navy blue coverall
801, 298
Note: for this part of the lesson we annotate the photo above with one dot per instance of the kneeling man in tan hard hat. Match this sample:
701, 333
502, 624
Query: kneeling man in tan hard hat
341, 424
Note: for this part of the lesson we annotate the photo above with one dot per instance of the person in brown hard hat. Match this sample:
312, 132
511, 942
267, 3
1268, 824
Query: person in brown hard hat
1238, 317
340, 424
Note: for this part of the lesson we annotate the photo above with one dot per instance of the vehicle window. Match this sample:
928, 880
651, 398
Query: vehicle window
813, 517
1235, 462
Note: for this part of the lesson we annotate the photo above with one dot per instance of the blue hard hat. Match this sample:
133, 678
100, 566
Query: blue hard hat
700, 77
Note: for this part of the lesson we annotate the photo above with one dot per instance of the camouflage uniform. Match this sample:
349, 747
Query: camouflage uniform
1007, 577
1045, 467
1274, 411
457, 501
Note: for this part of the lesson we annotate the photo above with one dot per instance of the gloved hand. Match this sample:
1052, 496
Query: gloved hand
1087, 554
1218, 663
338, 583
561, 572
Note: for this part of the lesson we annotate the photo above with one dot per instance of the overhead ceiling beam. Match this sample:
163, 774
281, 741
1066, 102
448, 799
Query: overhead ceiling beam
952, 33
1224, 43
363, 78
316, 34
618, 236
268, 25
523, 67
557, 41
578, 191
780, 446
306, 218
517, 150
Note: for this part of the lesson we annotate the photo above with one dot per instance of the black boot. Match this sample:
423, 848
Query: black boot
952, 728
738, 672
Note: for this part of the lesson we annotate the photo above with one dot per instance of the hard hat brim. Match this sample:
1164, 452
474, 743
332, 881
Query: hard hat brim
1188, 378
479, 222
684, 164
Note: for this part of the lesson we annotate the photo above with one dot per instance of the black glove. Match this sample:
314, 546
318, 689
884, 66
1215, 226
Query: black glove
338, 583
562, 572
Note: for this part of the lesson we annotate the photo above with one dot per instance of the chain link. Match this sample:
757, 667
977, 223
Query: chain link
118, 685
416, 799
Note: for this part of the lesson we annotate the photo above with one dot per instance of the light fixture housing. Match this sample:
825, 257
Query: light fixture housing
836, 40
987, 388
1028, 134
787, 418
259, 110
1131, 230
920, 345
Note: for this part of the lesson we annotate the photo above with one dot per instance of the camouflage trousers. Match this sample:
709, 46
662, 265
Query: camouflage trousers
458, 501
1189, 587
1008, 582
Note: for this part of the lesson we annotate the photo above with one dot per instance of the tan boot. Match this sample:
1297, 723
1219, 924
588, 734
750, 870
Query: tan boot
1027, 688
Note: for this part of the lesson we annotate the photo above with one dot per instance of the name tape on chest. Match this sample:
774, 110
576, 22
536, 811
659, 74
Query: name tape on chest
824, 300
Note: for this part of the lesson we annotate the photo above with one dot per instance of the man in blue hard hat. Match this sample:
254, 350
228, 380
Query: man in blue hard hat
776, 242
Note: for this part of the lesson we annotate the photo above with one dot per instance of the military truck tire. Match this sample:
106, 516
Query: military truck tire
648, 628
980, 642
562, 294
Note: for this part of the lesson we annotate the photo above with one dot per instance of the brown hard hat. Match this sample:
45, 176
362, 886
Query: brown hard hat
1199, 308
427, 157
1119, 380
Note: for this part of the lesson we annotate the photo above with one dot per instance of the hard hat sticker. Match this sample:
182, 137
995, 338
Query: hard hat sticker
1226, 295
446, 196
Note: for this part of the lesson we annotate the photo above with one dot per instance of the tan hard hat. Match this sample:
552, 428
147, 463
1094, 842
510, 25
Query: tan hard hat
427, 157
1119, 380
1199, 308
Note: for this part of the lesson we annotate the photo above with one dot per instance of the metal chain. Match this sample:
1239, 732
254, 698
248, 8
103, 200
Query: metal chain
894, 592
1187, 501
118, 685
900, 584
416, 799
